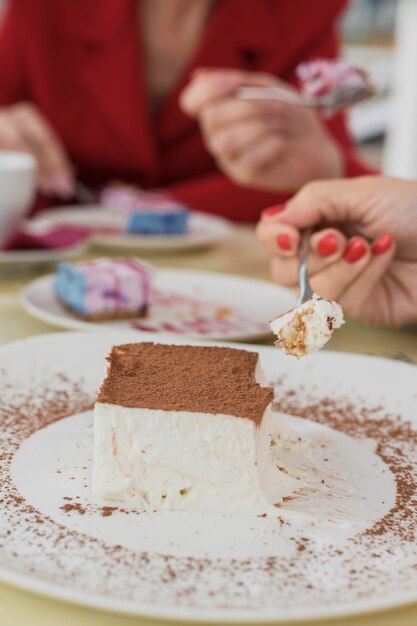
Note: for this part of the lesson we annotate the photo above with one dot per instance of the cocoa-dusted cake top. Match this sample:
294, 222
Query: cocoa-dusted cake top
185, 378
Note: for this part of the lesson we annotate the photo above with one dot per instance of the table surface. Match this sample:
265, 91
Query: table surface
239, 255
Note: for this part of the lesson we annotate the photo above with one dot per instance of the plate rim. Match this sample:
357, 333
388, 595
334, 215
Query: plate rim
114, 241
191, 616
42, 255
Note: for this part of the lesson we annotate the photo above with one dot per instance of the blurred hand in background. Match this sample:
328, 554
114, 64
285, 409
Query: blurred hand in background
23, 128
264, 144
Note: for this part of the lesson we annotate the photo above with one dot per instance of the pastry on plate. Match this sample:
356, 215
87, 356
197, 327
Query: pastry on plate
148, 212
104, 289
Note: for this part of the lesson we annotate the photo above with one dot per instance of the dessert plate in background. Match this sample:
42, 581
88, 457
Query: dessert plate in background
106, 229
185, 302
21, 261
345, 546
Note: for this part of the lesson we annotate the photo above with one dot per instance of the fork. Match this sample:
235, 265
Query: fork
339, 98
305, 291
83, 194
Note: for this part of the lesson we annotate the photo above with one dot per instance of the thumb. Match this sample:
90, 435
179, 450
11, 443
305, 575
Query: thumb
208, 86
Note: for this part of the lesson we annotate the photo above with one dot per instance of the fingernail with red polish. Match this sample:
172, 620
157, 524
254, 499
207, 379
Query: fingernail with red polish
284, 241
355, 250
382, 244
273, 210
327, 245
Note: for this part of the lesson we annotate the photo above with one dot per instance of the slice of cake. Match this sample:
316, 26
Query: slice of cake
183, 427
308, 327
148, 212
104, 289
169, 218
124, 198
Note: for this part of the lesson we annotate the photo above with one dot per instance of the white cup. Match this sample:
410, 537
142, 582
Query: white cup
17, 190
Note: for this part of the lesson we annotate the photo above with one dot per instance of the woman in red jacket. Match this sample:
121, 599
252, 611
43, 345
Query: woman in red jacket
92, 89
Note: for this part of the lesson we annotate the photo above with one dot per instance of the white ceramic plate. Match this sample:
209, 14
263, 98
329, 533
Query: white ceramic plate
344, 545
37, 259
205, 229
185, 302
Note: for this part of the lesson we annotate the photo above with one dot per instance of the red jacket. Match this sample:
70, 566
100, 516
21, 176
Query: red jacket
80, 63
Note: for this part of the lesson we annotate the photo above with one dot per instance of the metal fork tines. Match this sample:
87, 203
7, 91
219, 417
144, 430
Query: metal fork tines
339, 98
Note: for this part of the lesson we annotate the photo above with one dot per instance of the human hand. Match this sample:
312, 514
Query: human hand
364, 251
24, 129
267, 144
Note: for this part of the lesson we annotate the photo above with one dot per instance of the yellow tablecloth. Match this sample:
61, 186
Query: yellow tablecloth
240, 255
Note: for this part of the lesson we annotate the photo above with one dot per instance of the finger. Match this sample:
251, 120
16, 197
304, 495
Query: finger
10, 137
210, 86
205, 89
280, 240
335, 201
231, 142
358, 293
52, 159
231, 111
334, 281
326, 248
328, 243
247, 168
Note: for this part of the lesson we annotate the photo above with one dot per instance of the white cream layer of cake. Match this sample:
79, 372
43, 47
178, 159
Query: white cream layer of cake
169, 460
179, 460
308, 327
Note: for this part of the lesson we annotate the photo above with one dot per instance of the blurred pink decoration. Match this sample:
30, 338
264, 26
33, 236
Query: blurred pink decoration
322, 76
127, 198
61, 237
